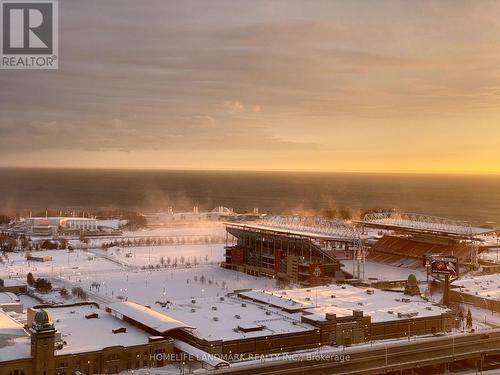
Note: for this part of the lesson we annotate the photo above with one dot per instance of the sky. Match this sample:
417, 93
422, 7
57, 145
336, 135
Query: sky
372, 86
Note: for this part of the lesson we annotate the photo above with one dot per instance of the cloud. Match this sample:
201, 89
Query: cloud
234, 106
256, 76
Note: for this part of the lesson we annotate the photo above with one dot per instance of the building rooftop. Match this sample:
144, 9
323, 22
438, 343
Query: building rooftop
14, 340
82, 335
485, 286
342, 300
7, 297
150, 318
233, 318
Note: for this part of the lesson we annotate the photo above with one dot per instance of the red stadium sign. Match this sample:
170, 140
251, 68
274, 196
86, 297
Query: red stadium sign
444, 265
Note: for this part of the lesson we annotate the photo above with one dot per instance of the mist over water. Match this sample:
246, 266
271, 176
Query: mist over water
473, 198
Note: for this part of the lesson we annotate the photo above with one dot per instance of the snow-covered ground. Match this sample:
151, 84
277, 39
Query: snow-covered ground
63, 261
385, 272
485, 286
139, 256
147, 287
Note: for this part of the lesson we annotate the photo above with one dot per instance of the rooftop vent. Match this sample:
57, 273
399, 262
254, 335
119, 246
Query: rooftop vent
193, 310
250, 328
193, 301
214, 308
243, 305
216, 319
92, 316
404, 315
120, 330
268, 312
237, 316
221, 298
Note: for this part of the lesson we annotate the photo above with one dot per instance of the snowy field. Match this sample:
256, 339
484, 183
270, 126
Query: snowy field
139, 256
195, 232
385, 272
62, 261
147, 287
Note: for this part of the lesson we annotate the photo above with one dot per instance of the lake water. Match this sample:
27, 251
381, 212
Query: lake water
473, 198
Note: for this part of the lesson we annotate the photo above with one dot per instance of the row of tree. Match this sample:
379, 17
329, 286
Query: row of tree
160, 241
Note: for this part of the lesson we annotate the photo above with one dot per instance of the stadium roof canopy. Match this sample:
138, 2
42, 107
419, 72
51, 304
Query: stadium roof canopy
147, 317
310, 227
418, 223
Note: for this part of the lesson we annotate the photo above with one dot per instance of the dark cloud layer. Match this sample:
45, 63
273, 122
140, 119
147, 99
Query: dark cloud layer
286, 76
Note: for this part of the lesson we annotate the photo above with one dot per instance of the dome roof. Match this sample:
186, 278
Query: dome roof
43, 320
412, 280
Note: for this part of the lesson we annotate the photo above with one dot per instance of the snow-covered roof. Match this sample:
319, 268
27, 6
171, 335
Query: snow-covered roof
311, 227
233, 318
7, 297
200, 355
15, 342
10, 327
343, 300
422, 223
13, 282
81, 334
485, 286
159, 322
14, 347
277, 298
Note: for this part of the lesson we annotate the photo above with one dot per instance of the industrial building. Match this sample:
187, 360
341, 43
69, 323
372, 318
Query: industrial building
50, 226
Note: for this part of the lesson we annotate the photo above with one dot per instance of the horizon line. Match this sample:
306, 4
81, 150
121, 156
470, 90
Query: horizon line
318, 171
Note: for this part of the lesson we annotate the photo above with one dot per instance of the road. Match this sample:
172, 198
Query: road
370, 361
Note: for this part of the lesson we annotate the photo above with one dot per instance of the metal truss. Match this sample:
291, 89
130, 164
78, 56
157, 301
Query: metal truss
313, 225
324, 227
427, 223
420, 222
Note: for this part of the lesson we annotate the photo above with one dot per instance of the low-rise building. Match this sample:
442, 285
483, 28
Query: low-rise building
261, 322
65, 340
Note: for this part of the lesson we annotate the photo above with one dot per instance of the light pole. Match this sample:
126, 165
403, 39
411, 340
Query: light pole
386, 358
453, 344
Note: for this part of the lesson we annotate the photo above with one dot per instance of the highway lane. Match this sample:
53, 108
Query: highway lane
371, 361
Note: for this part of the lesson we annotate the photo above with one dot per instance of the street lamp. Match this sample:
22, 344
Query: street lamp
386, 358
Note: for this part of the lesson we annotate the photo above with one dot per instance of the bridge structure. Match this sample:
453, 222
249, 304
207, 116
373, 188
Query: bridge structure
477, 351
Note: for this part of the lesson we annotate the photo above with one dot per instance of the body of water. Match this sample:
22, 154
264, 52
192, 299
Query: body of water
473, 198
